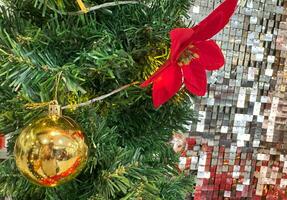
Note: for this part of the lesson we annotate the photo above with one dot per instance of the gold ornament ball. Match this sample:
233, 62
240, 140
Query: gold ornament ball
51, 151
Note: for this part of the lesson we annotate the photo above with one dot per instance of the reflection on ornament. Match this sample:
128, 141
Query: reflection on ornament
51, 151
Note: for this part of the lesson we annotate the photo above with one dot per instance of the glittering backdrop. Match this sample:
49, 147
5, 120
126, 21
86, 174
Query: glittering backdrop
238, 149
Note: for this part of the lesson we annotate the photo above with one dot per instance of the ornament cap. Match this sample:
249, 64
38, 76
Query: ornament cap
55, 109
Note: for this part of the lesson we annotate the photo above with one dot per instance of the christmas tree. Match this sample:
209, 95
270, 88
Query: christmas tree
73, 51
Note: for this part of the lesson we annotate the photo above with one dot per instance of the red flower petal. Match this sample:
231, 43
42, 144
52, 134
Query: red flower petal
215, 21
210, 54
155, 75
180, 39
195, 78
166, 85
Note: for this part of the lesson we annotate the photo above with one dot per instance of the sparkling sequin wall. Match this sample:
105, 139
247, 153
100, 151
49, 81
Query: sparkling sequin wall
239, 145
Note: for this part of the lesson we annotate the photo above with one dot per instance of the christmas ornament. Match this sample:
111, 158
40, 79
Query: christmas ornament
51, 150
178, 142
192, 52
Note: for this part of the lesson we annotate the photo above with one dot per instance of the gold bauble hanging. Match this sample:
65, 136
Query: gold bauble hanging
51, 150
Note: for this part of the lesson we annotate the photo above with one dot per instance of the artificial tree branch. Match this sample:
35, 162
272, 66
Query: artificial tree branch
99, 98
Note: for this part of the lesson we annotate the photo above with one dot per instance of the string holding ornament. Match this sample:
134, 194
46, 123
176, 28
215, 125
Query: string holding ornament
74, 106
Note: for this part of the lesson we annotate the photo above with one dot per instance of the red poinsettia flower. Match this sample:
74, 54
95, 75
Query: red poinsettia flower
192, 53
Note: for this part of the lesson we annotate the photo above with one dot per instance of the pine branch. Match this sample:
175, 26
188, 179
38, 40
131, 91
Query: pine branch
80, 57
